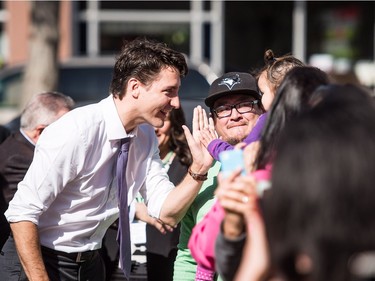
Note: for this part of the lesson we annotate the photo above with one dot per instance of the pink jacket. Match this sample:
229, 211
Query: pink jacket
203, 236
202, 239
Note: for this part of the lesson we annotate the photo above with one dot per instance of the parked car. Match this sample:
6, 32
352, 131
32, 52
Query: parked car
87, 81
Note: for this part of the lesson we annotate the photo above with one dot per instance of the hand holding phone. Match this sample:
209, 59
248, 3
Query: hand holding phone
234, 159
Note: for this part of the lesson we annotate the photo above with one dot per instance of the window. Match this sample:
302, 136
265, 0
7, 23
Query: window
112, 34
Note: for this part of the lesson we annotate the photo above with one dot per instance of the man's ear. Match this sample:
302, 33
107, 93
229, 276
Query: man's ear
133, 87
39, 129
35, 134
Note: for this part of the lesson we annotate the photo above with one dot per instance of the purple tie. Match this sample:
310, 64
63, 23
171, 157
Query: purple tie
123, 234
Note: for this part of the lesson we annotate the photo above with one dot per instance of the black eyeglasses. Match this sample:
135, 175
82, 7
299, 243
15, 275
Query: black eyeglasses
242, 107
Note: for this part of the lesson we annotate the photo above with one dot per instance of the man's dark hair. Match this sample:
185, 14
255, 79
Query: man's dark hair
143, 59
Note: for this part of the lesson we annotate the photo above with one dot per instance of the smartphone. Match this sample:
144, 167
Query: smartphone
231, 160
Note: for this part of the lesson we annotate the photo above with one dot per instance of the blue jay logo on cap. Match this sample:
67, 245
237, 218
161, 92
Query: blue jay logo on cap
230, 81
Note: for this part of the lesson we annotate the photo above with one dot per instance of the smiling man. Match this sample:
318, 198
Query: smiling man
69, 196
235, 106
234, 102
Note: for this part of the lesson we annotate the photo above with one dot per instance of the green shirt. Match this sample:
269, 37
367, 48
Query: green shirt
185, 266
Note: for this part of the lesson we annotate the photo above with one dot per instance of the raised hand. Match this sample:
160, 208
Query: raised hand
206, 127
201, 158
237, 193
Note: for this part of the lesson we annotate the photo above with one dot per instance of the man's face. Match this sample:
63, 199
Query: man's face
158, 98
234, 128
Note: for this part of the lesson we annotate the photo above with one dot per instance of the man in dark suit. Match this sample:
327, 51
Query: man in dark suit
4, 133
17, 151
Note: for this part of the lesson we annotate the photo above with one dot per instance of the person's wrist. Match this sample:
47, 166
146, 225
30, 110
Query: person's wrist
233, 225
197, 176
197, 168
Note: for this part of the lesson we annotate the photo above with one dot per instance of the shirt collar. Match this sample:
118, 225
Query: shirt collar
27, 137
115, 129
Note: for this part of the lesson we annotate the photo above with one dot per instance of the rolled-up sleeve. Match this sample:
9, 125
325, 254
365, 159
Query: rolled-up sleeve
54, 165
146, 174
157, 186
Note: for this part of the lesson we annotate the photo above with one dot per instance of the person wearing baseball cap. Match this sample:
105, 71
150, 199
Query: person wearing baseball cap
239, 91
203, 236
232, 83
235, 106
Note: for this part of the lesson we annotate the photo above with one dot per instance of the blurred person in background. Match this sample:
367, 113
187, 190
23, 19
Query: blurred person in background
17, 151
161, 243
4, 133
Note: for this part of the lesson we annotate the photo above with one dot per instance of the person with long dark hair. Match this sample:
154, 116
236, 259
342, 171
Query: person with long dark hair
318, 214
161, 240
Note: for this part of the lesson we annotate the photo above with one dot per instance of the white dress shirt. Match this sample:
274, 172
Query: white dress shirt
70, 190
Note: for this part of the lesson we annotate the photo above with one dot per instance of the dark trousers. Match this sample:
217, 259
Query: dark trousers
10, 265
60, 266
160, 267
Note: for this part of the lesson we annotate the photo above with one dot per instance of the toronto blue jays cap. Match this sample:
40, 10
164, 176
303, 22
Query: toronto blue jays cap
232, 83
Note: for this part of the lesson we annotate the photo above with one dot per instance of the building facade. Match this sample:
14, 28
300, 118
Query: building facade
227, 35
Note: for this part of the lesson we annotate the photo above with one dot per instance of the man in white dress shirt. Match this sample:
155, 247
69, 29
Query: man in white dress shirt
67, 199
